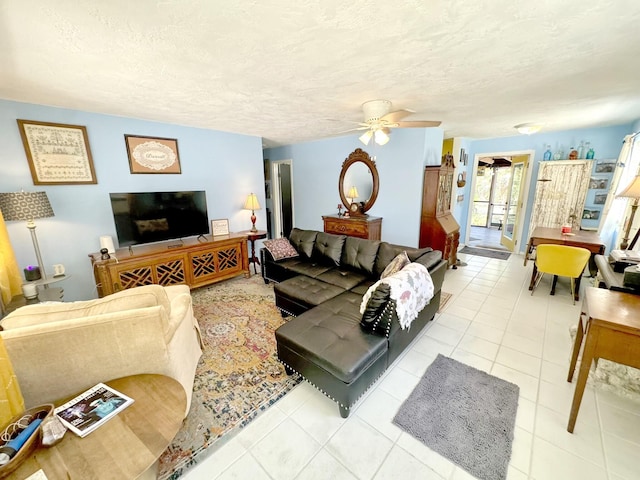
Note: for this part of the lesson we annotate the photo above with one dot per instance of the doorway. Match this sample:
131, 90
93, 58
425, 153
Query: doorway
282, 192
499, 190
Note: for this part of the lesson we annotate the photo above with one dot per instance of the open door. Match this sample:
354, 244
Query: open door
282, 198
513, 210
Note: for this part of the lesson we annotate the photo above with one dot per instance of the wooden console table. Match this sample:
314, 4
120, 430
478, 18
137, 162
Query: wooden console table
367, 227
195, 261
611, 323
126, 446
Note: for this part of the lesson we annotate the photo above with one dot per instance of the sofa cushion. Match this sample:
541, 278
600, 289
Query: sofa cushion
398, 263
360, 253
280, 248
130, 299
327, 248
302, 241
309, 269
307, 290
389, 251
331, 337
342, 277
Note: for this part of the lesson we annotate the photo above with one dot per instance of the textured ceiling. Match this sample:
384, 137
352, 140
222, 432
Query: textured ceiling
297, 71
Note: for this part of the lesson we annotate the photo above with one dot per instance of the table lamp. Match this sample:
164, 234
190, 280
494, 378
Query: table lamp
353, 194
27, 206
252, 204
631, 191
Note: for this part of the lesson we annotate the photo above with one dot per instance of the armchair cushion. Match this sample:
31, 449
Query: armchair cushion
140, 297
360, 253
303, 241
328, 248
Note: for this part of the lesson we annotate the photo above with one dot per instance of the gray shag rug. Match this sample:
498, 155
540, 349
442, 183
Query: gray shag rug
486, 252
465, 415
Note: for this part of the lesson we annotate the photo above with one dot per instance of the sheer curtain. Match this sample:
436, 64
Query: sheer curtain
615, 212
10, 280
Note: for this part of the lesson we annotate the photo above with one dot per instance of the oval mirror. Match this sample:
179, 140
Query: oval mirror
358, 183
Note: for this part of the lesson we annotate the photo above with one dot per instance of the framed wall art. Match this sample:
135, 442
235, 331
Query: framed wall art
58, 154
220, 227
152, 154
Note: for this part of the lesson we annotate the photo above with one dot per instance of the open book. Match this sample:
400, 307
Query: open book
86, 412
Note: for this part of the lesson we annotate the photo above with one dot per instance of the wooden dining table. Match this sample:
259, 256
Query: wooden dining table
581, 238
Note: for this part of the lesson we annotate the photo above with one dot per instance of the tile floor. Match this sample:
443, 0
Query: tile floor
492, 323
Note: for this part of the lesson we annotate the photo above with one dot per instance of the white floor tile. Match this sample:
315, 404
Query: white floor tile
479, 346
400, 464
218, 461
519, 361
323, 466
378, 410
319, 417
359, 447
439, 464
285, 450
551, 463
245, 467
622, 456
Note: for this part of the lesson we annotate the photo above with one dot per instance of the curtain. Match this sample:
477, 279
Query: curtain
11, 401
614, 212
10, 280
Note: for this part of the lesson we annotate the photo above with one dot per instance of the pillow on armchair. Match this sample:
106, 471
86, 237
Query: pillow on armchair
379, 311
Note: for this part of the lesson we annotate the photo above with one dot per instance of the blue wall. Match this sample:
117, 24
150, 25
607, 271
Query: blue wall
316, 170
227, 166
606, 142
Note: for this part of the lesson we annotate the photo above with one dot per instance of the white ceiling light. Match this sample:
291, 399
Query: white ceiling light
380, 137
528, 128
366, 137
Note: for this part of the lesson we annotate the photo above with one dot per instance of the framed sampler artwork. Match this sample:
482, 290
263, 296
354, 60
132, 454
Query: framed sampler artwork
152, 154
220, 227
58, 154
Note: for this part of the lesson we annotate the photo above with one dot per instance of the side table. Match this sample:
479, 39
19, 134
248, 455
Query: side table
128, 445
252, 237
610, 321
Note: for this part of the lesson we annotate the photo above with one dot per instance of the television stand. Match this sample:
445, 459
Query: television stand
195, 263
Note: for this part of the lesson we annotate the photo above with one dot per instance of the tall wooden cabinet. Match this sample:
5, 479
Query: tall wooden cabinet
438, 229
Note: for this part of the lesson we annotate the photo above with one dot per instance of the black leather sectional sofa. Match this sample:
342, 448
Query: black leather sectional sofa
323, 288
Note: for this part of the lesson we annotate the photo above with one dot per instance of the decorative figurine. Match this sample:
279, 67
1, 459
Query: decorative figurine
339, 209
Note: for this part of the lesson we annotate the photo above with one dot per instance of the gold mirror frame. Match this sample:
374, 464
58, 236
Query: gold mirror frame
359, 155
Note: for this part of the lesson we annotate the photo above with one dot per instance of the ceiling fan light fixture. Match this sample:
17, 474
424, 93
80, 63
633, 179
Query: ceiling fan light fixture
528, 128
380, 137
366, 137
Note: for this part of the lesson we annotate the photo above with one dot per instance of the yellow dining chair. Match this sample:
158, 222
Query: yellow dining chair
562, 261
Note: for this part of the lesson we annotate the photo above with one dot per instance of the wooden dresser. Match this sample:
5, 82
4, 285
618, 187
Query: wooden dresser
194, 262
367, 227
438, 229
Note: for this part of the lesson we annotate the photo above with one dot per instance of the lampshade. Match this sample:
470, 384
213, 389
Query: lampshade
632, 190
353, 193
25, 206
252, 202
380, 137
366, 137
528, 128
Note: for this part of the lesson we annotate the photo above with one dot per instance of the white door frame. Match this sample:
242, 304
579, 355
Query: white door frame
523, 208
276, 195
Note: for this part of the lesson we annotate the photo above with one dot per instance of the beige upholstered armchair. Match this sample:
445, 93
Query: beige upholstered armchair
59, 349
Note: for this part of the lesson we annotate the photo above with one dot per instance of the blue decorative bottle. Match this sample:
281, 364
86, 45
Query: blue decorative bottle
547, 153
591, 154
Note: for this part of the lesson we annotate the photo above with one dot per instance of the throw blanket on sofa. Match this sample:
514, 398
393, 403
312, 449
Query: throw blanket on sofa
411, 288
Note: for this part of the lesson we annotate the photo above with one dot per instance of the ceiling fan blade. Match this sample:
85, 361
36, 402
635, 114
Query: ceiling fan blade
394, 117
353, 129
418, 124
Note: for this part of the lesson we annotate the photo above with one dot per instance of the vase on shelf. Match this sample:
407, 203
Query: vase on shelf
559, 154
581, 150
573, 154
591, 154
547, 154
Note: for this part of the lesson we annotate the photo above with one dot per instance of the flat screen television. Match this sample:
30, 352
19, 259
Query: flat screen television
148, 217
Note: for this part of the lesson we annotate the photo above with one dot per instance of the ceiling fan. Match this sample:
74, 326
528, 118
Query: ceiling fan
379, 120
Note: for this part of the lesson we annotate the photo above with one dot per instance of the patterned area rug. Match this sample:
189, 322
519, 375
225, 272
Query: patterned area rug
444, 299
238, 375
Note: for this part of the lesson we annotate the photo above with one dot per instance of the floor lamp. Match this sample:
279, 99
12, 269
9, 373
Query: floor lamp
27, 206
631, 191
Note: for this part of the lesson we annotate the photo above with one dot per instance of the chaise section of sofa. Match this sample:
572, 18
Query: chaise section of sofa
59, 349
323, 288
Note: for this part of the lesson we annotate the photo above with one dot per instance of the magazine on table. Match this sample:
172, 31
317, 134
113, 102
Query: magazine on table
86, 412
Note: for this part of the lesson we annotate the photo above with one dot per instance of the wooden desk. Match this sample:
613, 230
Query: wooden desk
582, 238
252, 237
124, 447
611, 322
